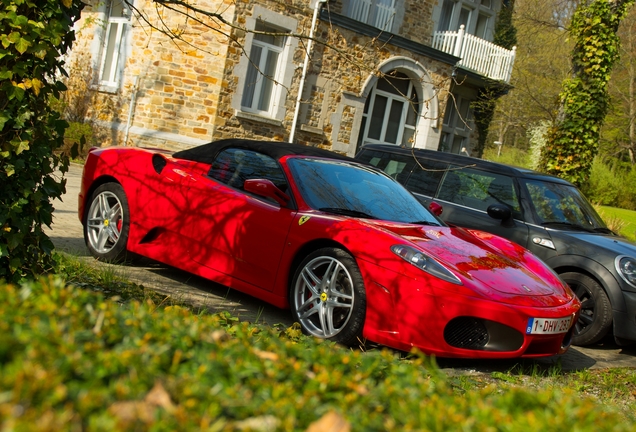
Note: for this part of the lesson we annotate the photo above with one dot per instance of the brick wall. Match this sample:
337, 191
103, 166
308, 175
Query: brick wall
187, 91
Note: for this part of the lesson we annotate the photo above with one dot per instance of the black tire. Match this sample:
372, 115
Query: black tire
595, 319
341, 303
107, 223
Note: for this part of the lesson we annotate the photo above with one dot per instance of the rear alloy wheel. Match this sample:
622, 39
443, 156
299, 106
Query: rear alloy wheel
107, 223
595, 319
328, 298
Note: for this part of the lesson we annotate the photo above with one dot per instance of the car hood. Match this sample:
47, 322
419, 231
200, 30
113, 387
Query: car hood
490, 263
616, 245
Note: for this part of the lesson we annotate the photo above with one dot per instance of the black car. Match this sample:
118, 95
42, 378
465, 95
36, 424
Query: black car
547, 215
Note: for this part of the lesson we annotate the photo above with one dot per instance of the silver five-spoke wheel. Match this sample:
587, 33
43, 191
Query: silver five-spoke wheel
327, 296
106, 223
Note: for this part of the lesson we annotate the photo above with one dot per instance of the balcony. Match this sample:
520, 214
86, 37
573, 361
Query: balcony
477, 55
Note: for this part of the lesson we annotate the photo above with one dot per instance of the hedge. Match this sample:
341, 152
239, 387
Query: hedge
71, 359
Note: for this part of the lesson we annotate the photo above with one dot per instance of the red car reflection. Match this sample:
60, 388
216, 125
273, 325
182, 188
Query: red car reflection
350, 251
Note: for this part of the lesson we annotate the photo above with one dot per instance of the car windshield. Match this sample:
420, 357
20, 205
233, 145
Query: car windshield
354, 190
562, 204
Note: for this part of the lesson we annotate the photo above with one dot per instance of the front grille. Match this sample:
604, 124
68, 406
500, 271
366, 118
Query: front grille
466, 332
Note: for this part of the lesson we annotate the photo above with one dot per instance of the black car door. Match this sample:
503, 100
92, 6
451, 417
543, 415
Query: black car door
466, 193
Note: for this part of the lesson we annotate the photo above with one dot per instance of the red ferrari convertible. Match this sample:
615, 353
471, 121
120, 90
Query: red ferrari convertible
350, 251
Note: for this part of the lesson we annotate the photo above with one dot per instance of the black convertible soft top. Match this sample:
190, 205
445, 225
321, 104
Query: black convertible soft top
206, 153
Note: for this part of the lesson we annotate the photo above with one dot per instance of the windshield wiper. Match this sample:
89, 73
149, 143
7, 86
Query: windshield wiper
425, 222
604, 230
569, 224
347, 212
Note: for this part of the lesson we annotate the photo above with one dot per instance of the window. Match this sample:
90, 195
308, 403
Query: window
264, 70
378, 13
560, 203
426, 177
397, 166
391, 111
474, 15
112, 52
456, 126
233, 166
478, 189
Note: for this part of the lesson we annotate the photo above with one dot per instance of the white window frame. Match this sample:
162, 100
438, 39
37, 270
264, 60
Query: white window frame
457, 125
368, 12
116, 47
285, 69
477, 8
261, 79
405, 100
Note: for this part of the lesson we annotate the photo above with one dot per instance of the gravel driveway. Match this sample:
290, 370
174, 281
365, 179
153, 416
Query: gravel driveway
67, 235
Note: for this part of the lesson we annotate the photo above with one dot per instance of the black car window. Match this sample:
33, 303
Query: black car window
426, 177
478, 189
560, 203
350, 189
395, 165
234, 165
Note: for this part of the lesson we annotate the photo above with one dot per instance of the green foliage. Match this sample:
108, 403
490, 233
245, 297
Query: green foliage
573, 140
508, 156
71, 360
34, 36
505, 31
78, 139
621, 221
104, 278
611, 186
537, 138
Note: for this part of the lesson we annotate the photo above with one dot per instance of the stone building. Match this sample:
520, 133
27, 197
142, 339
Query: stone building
337, 74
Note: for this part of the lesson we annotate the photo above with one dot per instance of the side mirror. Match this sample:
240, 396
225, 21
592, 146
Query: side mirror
501, 212
266, 189
435, 208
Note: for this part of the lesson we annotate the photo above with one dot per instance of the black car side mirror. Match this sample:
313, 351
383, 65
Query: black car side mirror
267, 189
501, 212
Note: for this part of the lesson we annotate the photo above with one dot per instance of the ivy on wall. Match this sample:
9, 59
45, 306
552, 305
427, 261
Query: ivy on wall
34, 35
572, 143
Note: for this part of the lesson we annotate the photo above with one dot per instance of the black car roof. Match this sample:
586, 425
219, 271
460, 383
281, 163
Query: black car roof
465, 161
206, 153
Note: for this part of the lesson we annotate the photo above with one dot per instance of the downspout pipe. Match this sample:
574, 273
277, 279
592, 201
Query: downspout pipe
131, 109
301, 86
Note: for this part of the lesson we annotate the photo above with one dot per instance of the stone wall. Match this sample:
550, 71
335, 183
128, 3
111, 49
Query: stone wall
185, 92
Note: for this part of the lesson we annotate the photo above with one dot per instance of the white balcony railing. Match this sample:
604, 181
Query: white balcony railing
477, 55
378, 13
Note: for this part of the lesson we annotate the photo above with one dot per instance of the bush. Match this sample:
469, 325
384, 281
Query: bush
508, 156
608, 186
35, 35
78, 139
71, 360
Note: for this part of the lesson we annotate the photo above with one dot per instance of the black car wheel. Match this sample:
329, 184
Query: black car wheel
107, 223
327, 296
595, 319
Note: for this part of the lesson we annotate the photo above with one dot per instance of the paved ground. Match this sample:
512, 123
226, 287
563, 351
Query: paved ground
67, 236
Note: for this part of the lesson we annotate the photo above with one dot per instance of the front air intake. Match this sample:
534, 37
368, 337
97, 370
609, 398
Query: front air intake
466, 332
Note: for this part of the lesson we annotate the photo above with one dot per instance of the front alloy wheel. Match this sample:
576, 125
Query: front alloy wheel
106, 224
328, 297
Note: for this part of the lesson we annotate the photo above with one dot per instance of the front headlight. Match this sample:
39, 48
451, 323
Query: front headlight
422, 261
626, 268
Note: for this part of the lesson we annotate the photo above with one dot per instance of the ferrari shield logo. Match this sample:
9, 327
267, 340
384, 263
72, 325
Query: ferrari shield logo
303, 219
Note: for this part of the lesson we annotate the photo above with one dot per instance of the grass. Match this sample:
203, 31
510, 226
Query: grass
92, 351
620, 220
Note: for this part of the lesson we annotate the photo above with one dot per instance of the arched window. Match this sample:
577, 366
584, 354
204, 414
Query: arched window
391, 112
